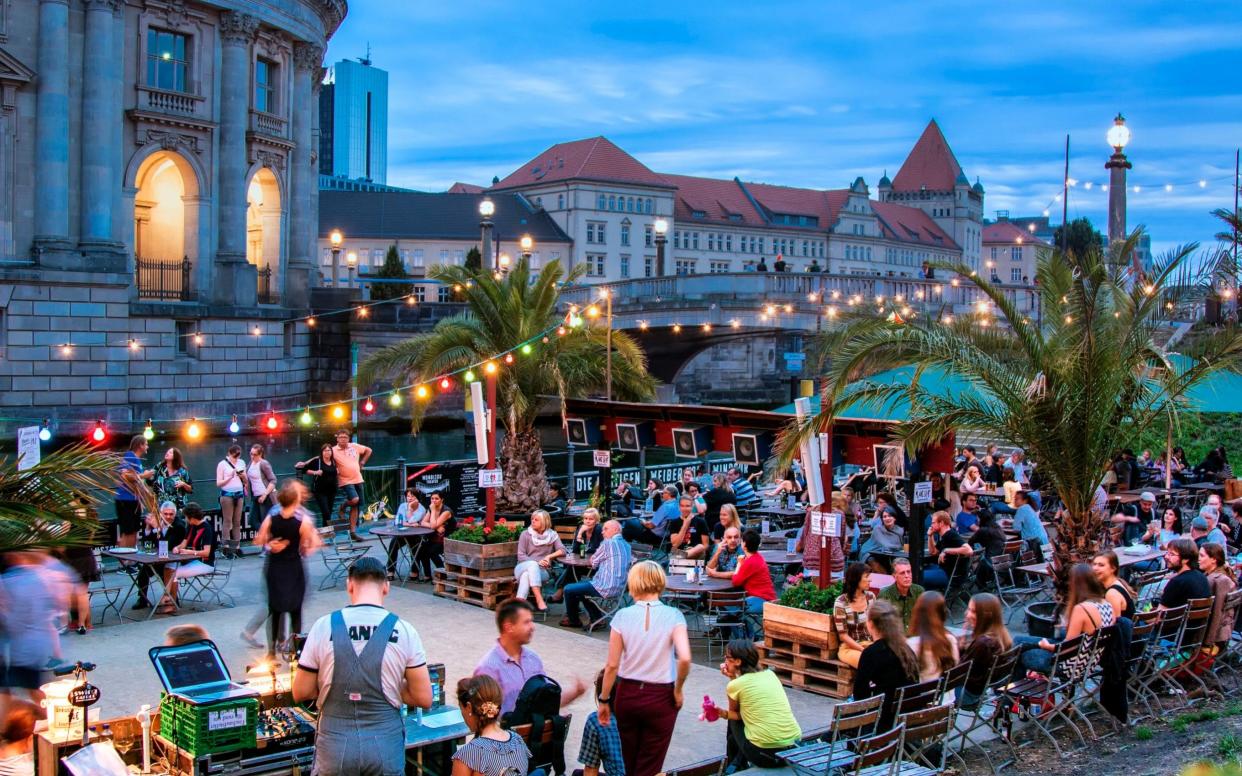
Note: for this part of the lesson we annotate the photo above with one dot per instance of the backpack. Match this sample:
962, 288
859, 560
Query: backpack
538, 702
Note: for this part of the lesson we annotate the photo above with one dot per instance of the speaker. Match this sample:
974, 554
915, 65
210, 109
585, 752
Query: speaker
691, 441
633, 437
752, 448
582, 432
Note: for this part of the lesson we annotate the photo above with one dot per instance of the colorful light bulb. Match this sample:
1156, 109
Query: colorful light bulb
234, 427
99, 434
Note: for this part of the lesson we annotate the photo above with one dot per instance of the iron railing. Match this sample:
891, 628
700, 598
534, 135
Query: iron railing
266, 294
167, 280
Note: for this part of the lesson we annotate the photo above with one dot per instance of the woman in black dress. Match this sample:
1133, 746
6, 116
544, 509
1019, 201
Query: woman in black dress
323, 468
288, 535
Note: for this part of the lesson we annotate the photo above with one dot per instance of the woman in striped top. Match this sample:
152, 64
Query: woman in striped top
493, 751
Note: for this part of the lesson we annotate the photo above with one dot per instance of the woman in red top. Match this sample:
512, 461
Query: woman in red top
752, 575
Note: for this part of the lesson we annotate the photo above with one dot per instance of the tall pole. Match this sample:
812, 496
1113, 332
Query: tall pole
1065, 200
1237, 157
490, 517
1117, 165
353, 384
608, 346
336, 267
660, 240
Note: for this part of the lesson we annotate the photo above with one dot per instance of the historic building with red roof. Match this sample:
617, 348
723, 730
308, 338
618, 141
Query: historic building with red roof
607, 201
1010, 252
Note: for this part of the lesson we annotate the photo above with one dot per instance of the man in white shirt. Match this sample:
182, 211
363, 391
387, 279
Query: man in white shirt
360, 664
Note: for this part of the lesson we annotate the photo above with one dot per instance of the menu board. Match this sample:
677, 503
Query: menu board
457, 482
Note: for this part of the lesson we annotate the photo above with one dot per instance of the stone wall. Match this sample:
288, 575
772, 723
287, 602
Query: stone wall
744, 371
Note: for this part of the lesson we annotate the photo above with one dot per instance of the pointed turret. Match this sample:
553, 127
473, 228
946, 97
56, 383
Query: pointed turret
931, 165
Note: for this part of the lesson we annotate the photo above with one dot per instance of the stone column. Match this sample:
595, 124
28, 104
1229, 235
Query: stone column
235, 281
303, 178
100, 115
52, 246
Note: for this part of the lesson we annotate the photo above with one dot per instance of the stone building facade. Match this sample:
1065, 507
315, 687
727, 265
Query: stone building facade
158, 205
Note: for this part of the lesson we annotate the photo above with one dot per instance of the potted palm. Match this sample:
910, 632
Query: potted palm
505, 313
1070, 384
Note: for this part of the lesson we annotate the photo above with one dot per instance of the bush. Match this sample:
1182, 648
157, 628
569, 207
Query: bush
808, 596
476, 533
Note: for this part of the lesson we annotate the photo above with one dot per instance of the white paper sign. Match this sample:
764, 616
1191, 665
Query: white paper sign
226, 720
491, 478
827, 523
602, 458
28, 453
922, 492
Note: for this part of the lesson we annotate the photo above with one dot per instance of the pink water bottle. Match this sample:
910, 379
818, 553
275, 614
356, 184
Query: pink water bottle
710, 713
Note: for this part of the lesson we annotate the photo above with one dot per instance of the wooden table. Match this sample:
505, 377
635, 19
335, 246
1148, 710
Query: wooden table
1124, 498
1210, 487
1124, 560
156, 562
781, 557
392, 533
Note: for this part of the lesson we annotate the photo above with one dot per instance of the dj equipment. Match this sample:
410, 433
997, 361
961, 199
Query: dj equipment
196, 673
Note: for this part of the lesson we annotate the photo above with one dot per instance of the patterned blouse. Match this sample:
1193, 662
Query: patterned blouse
852, 623
166, 484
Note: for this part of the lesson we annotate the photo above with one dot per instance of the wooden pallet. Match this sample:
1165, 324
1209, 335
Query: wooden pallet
476, 591
775, 643
466, 571
823, 676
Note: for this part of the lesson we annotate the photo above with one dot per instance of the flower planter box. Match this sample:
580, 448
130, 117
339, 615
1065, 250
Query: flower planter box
807, 629
481, 557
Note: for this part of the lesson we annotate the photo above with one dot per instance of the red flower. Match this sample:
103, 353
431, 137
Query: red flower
469, 521
502, 521
486, 530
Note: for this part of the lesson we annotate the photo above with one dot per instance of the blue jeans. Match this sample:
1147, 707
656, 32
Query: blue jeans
574, 595
934, 578
1001, 508
1034, 657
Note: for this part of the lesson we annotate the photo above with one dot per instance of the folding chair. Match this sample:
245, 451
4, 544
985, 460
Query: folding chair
1140, 663
1227, 659
1012, 591
210, 583
1161, 651
851, 721
723, 612
1043, 701
111, 595
962, 582
990, 711
914, 697
1183, 660
954, 679
876, 756
338, 553
923, 742
607, 606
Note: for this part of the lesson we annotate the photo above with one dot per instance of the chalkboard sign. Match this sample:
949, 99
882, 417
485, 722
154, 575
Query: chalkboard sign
457, 482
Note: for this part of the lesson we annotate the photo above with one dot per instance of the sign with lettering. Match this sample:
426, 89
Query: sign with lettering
491, 478
922, 493
28, 453
602, 459
227, 719
457, 482
84, 694
827, 524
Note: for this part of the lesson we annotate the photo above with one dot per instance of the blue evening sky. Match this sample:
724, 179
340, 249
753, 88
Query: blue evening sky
816, 93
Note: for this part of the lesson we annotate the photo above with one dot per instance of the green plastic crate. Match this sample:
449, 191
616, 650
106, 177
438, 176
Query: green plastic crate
216, 728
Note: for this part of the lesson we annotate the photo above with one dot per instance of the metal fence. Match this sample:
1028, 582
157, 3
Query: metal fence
266, 294
167, 280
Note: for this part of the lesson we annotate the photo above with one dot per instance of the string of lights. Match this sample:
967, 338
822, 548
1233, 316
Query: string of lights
1198, 185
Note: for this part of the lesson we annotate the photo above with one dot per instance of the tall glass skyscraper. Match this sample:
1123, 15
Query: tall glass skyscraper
353, 122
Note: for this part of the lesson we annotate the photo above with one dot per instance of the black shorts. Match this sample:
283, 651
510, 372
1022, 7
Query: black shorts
128, 516
26, 677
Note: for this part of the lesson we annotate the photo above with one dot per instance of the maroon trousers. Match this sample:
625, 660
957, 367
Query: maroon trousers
645, 718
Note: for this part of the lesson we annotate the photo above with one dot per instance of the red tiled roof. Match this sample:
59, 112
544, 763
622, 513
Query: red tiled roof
931, 164
596, 159
718, 198
909, 224
824, 204
465, 188
1009, 233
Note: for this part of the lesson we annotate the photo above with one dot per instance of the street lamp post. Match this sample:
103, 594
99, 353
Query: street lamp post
606, 295
528, 246
1117, 164
351, 259
336, 238
486, 209
661, 237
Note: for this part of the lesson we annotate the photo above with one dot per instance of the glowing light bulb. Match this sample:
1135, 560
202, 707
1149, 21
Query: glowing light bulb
311, 322
198, 338
677, 328
133, 344
233, 426
272, 423
410, 300
469, 375
338, 412
445, 384
508, 358
256, 331
363, 312
193, 431
395, 399
526, 349
148, 433
368, 406
560, 330
490, 367
45, 433
305, 417
707, 327
66, 349
421, 392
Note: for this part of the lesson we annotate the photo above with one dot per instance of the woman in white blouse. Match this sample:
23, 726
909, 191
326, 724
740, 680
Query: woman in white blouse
538, 546
648, 662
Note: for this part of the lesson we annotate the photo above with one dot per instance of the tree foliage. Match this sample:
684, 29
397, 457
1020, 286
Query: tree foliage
503, 314
1081, 237
54, 503
393, 268
474, 260
1069, 391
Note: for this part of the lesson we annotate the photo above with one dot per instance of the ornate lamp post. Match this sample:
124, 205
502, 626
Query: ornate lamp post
336, 239
487, 209
1117, 164
528, 246
661, 237
351, 259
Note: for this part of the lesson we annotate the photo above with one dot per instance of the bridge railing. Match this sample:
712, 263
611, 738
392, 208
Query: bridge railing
795, 287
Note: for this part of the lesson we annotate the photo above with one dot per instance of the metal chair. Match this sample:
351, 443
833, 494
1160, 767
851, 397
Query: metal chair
1140, 663
210, 583
1182, 661
1044, 701
1226, 661
923, 742
876, 756
338, 553
724, 611
989, 712
1012, 591
913, 697
851, 721
607, 606
961, 583
111, 594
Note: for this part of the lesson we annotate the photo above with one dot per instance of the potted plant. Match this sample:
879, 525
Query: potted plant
479, 548
803, 615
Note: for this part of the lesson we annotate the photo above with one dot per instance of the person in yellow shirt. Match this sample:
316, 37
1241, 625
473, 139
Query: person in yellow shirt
760, 720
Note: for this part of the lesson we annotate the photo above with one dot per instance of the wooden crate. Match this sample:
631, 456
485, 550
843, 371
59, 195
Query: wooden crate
481, 557
824, 676
812, 629
502, 573
775, 643
476, 591
832, 687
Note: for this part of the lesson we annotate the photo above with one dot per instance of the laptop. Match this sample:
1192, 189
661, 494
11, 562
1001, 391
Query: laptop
196, 673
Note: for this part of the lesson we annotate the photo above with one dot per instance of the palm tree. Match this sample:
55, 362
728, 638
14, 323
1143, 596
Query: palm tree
1070, 388
53, 503
504, 313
